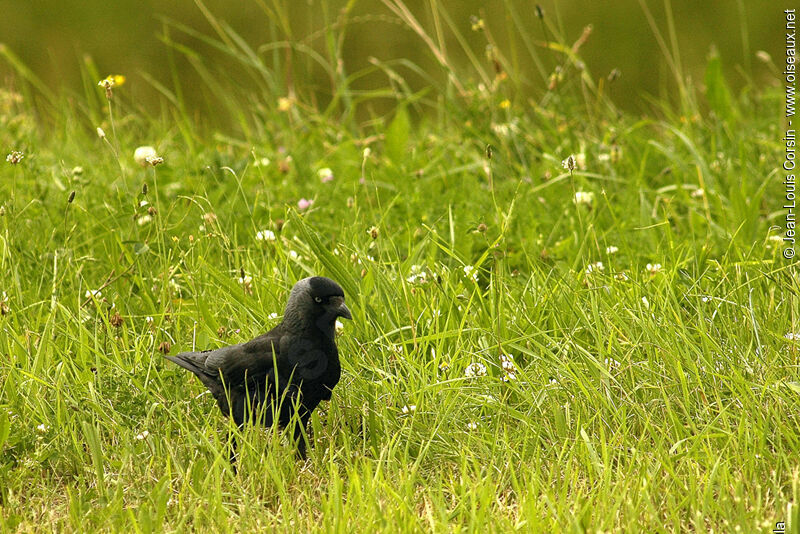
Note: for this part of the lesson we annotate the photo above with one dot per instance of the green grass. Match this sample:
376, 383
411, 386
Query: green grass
643, 400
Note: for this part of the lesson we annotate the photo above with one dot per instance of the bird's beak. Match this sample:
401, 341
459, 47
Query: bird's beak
341, 310
344, 311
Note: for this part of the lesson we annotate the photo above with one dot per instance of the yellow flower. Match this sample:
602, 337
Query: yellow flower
284, 104
505, 104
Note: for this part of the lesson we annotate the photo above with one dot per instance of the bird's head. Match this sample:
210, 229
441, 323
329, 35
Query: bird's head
316, 301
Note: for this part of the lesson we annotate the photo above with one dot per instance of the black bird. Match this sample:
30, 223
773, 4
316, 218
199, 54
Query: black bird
293, 366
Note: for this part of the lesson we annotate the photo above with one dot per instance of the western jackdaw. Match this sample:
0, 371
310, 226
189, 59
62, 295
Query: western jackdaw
293, 366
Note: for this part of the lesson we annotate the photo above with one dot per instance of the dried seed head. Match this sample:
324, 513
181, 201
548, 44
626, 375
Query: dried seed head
116, 320
570, 163
154, 161
164, 347
482, 228
373, 232
71, 197
144, 189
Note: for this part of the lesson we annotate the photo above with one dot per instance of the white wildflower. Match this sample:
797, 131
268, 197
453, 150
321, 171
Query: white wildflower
569, 163
144, 219
595, 267
261, 162
338, 327
42, 428
141, 154
646, 302
418, 275
93, 293
410, 408
792, 336
472, 425
475, 369
325, 175
470, 272
272, 316
265, 235
143, 435
611, 249
15, 157
653, 268
583, 198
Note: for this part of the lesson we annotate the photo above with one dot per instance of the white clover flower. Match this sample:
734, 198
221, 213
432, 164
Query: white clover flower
472, 425
325, 175
475, 369
611, 249
583, 198
595, 267
698, 193
143, 435
338, 327
653, 268
272, 316
144, 219
93, 293
141, 154
265, 235
470, 272
408, 409
42, 428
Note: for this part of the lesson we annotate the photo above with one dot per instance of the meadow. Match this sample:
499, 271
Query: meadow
567, 318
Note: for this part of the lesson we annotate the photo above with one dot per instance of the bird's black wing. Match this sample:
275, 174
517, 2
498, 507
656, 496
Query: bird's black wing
233, 366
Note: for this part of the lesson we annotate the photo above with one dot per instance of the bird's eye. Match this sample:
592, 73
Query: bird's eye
318, 300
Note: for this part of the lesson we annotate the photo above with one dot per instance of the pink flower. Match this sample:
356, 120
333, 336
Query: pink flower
304, 203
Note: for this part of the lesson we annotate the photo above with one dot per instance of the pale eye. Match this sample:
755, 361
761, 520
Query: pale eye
318, 300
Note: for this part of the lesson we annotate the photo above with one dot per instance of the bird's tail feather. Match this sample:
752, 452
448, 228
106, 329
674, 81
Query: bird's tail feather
189, 361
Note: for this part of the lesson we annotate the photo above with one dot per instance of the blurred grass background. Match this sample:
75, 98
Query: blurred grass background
57, 40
